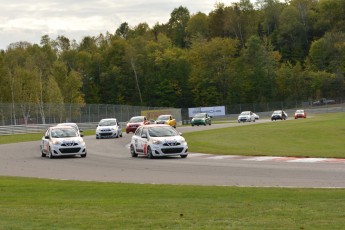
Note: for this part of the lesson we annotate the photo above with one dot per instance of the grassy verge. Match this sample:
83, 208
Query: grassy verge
320, 136
7, 139
48, 204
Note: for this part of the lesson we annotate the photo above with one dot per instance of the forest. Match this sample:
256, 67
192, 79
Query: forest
239, 53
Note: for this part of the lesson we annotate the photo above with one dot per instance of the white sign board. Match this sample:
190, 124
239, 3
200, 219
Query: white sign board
212, 111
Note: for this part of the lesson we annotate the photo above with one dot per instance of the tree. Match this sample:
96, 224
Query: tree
254, 72
177, 25
197, 28
210, 77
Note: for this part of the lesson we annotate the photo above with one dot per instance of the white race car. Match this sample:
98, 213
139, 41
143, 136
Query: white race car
108, 128
62, 141
158, 141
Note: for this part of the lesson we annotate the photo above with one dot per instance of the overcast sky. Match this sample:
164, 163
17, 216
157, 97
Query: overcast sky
24, 20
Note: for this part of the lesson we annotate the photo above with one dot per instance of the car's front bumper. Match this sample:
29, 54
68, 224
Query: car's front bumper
106, 134
198, 122
131, 128
177, 150
58, 150
299, 116
244, 119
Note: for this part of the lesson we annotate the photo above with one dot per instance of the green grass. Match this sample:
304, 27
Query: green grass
49, 204
320, 136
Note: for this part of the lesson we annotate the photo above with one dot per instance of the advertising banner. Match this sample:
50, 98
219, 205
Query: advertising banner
212, 111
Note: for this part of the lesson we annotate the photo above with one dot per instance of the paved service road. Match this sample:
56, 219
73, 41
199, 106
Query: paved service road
109, 160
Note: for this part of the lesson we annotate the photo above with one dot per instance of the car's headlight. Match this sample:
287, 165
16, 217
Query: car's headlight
156, 142
56, 142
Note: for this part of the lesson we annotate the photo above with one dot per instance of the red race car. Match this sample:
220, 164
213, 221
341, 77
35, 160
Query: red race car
300, 114
135, 122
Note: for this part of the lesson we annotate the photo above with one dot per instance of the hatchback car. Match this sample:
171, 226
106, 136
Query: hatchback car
135, 122
201, 119
158, 141
62, 141
279, 115
300, 114
108, 128
166, 119
246, 116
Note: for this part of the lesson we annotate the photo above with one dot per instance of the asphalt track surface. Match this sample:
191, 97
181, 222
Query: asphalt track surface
109, 160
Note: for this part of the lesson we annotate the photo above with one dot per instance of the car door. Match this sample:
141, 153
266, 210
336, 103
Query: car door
136, 139
45, 142
143, 140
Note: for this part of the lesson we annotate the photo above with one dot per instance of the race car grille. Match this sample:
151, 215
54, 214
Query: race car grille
106, 134
69, 150
171, 144
172, 150
69, 144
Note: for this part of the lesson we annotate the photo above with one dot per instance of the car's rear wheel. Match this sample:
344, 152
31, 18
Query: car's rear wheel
149, 153
133, 153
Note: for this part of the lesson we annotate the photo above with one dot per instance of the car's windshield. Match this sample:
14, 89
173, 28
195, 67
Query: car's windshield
162, 132
163, 117
199, 115
136, 119
277, 112
299, 111
245, 113
63, 132
107, 123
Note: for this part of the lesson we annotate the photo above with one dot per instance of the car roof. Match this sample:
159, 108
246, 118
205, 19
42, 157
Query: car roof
108, 119
67, 124
61, 126
156, 125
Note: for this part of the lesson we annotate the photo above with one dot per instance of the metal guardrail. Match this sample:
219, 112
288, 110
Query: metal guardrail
38, 128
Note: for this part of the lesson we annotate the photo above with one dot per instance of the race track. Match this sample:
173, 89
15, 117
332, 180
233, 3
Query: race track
109, 160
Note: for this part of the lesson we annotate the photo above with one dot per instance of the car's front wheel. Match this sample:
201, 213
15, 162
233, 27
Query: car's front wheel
133, 153
50, 155
149, 153
183, 156
83, 155
42, 153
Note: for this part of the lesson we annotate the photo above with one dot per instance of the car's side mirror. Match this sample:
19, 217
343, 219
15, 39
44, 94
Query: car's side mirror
180, 134
46, 137
82, 135
144, 135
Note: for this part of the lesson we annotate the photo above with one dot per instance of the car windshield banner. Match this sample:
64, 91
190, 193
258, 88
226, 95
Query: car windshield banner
212, 111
